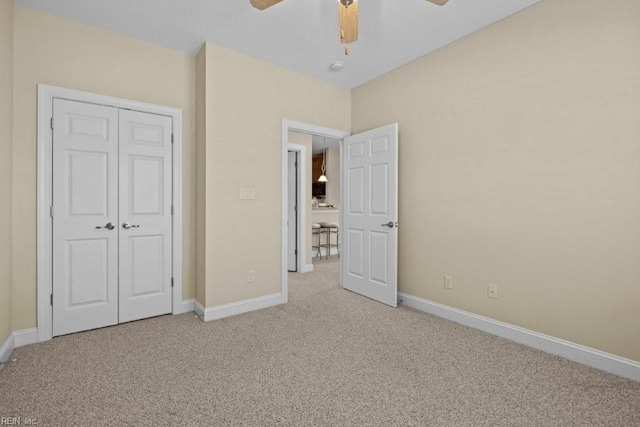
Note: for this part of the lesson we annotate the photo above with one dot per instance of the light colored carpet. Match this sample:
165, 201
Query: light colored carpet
328, 357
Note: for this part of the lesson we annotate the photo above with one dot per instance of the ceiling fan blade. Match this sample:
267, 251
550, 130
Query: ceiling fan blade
438, 2
349, 23
263, 4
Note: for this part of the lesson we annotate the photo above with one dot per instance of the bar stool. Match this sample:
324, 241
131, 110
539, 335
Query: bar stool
330, 228
315, 236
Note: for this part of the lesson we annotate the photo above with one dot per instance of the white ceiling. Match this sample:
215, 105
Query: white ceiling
298, 34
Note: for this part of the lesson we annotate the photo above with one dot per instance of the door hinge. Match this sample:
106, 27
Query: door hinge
51, 211
172, 282
172, 140
172, 210
295, 208
51, 123
51, 299
296, 164
296, 252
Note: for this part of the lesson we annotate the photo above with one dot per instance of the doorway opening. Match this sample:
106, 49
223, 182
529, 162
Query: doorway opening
308, 201
363, 221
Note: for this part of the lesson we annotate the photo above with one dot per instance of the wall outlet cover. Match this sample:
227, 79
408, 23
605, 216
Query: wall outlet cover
448, 282
492, 291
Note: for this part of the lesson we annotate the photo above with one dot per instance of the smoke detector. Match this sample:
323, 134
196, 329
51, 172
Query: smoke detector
336, 66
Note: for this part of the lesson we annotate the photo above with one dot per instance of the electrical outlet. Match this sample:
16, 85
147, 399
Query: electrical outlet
448, 282
251, 276
492, 291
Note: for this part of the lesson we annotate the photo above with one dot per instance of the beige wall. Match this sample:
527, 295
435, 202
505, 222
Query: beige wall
520, 166
306, 140
6, 114
248, 100
519, 154
60, 52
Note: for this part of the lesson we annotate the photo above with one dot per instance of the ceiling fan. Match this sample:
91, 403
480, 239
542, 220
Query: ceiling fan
348, 10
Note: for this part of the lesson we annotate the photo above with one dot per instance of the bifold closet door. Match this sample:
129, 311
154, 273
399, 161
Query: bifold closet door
85, 216
145, 215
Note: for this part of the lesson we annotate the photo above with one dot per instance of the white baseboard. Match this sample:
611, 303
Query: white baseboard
578, 353
234, 308
17, 339
186, 307
25, 337
198, 308
6, 349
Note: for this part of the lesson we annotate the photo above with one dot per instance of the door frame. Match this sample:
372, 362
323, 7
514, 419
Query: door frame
287, 126
44, 230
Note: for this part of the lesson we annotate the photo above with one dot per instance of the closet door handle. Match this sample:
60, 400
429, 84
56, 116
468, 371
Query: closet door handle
127, 226
110, 226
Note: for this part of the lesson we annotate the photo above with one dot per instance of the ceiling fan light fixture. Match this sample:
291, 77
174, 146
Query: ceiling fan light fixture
348, 10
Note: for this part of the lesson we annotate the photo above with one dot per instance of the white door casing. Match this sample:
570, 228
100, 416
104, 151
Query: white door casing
292, 220
85, 196
145, 215
370, 205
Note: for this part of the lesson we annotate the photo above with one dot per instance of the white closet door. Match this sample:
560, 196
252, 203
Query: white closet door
145, 215
85, 203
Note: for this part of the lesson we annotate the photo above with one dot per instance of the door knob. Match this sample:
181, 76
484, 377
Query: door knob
389, 224
110, 226
127, 226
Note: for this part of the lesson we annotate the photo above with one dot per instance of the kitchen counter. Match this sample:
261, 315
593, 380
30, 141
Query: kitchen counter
325, 215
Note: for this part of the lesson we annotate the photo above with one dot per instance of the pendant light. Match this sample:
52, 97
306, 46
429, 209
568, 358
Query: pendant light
323, 177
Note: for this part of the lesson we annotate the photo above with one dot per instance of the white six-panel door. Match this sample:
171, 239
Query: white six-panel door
370, 204
85, 216
112, 224
145, 215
